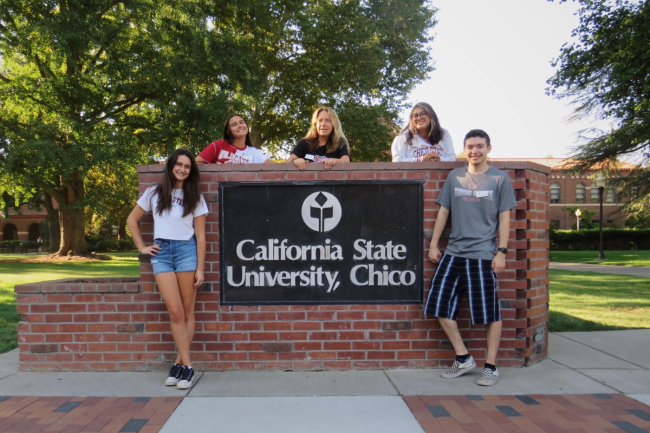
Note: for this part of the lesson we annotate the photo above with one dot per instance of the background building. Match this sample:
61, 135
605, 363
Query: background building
21, 226
567, 189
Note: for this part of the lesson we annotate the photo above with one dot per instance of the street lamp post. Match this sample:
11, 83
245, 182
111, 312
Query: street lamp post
600, 183
578, 213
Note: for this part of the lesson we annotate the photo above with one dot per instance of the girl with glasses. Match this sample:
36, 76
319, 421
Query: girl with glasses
423, 139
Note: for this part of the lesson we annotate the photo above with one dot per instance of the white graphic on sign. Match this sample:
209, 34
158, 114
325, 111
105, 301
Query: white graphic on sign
321, 211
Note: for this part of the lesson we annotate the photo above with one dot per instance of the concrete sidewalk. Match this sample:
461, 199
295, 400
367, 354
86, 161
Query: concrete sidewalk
609, 362
602, 269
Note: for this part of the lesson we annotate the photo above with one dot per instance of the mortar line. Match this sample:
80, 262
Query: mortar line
392, 383
589, 377
195, 383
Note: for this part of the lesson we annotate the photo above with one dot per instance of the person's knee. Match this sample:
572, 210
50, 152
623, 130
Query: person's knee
176, 314
189, 314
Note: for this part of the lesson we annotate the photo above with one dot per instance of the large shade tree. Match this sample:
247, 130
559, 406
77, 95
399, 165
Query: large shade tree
85, 83
605, 73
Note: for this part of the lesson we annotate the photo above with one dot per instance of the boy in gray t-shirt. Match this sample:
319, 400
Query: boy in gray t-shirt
479, 198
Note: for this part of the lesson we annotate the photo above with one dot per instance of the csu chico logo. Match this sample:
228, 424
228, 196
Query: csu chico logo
321, 211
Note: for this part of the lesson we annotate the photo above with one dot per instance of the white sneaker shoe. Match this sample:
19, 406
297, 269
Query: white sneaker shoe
186, 381
458, 369
488, 377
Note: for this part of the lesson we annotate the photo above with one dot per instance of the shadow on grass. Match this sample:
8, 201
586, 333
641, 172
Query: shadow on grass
561, 322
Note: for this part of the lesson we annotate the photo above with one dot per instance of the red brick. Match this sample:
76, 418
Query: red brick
56, 318
44, 348
386, 354
36, 327
263, 336
306, 326
304, 345
58, 338
44, 308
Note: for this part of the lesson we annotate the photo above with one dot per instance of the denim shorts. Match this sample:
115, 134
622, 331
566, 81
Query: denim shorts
175, 256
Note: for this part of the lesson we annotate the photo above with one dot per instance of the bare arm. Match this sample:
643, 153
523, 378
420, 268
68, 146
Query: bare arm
200, 160
330, 162
132, 222
199, 232
438, 228
298, 162
499, 261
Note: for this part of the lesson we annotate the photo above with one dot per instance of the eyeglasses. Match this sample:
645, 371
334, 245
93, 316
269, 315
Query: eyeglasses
423, 114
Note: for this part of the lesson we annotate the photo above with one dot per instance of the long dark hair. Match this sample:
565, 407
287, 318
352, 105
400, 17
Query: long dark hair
435, 132
228, 136
191, 192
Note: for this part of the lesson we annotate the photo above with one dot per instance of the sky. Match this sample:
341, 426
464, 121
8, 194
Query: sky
492, 60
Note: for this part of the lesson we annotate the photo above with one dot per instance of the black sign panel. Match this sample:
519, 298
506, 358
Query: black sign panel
315, 243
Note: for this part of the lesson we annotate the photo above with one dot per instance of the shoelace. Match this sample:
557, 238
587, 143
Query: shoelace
176, 371
187, 374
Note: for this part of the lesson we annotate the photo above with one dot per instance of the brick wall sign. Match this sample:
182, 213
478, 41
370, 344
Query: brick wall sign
118, 325
321, 243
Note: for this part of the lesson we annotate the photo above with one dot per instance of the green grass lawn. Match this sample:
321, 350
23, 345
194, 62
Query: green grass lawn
122, 265
587, 301
618, 258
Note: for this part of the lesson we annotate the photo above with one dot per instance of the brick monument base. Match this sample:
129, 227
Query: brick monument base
122, 324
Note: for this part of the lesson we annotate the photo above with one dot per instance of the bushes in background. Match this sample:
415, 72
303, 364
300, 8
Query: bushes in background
99, 244
19, 246
589, 240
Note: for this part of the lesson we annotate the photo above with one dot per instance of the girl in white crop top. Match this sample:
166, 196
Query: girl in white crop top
178, 252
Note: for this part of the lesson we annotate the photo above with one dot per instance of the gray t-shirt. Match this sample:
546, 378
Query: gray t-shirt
475, 202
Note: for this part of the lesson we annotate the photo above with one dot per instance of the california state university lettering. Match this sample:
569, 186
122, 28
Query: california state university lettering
278, 251
321, 243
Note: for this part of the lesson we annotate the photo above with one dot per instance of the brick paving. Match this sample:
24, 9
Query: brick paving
85, 414
597, 413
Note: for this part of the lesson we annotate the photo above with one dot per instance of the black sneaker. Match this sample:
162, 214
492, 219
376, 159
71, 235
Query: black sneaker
187, 378
174, 375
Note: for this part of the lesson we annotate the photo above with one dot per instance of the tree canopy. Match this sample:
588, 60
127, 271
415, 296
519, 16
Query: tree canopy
360, 57
606, 75
87, 86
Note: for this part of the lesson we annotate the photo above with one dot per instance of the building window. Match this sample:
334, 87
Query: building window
580, 193
555, 192
594, 193
555, 224
610, 194
634, 193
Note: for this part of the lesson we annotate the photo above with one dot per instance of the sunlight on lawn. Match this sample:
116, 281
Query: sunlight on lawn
602, 301
123, 265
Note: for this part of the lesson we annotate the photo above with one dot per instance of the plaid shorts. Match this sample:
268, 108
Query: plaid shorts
454, 277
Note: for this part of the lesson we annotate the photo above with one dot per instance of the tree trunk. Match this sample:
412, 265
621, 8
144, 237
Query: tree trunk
71, 214
52, 223
256, 128
121, 229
